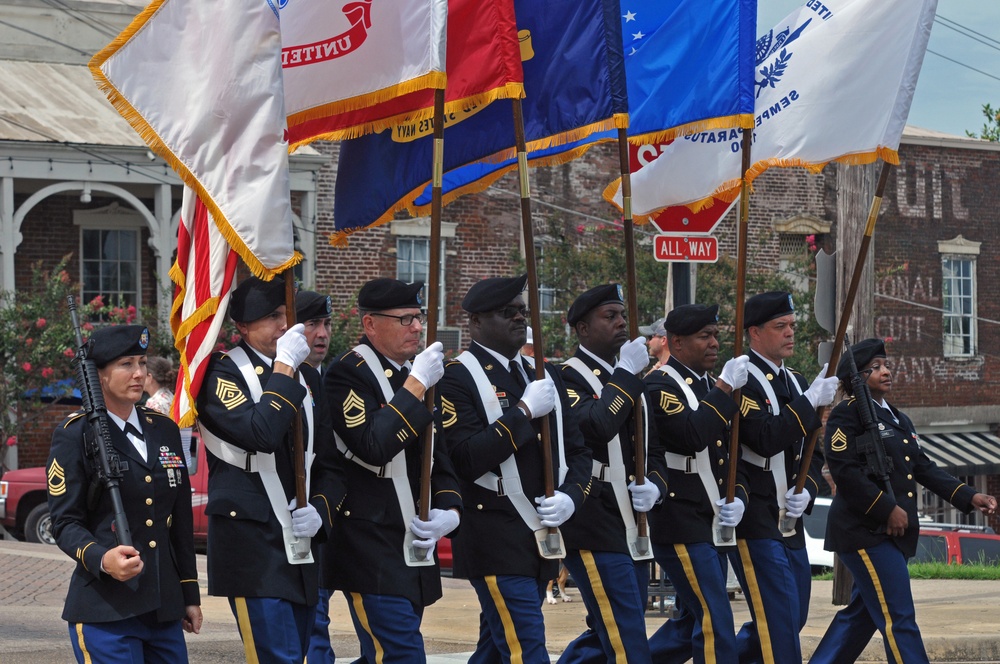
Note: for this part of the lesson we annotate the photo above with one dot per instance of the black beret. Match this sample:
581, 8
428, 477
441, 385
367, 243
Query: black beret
593, 298
255, 298
864, 352
385, 293
310, 305
691, 318
110, 343
492, 294
762, 308
654, 329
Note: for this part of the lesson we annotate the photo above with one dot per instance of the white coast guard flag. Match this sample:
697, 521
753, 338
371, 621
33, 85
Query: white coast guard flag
834, 82
341, 56
201, 82
203, 275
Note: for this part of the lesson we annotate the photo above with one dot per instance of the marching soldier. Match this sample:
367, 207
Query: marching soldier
778, 413
693, 414
601, 538
126, 598
381, 554
262, 545
873, 532
490, 408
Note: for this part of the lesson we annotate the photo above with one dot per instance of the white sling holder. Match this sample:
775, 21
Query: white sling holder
297, 549
776, 463
509, 482
395, 469
615, 473
700, 463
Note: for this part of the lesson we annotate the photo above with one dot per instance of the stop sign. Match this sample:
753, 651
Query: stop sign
678, 219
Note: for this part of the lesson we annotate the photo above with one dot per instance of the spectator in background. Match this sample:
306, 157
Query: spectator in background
657, 345
161, 375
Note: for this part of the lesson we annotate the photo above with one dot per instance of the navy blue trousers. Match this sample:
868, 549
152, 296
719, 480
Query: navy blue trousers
776, 582
613, 587
511, 626
273, 630
320, 649
881, 599
388, 627
705, 623
129, 641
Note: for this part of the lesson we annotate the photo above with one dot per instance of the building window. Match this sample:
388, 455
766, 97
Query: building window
958, 296
412, 255
547, 295
110, 265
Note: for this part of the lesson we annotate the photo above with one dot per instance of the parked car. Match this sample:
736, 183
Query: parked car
957, 545
24, 507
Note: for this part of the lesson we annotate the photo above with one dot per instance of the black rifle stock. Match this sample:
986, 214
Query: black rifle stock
99, 450
870, 442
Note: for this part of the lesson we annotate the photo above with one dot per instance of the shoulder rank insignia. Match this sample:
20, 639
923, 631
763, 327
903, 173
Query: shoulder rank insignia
354, 410
448, 414
670, 404
573, 396
229, 393
747, 405
57, 479
838, 441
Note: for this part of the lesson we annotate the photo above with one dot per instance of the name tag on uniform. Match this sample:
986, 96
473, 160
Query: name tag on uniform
504, 403
885, 434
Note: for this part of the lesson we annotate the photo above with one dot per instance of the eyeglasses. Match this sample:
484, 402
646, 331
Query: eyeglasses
405, 320
512, 311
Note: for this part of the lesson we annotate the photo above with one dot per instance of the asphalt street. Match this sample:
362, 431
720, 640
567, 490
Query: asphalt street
960, 620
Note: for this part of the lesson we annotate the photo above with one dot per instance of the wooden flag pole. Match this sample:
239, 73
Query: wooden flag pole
553, 541
845, 317
433, 292
632, 307
728, 533
298, 449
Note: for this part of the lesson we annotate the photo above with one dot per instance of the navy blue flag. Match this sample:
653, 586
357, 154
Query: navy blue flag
571, 52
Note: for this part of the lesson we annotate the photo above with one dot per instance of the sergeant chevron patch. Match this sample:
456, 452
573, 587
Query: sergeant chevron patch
670, 404
573, 396
448, 414
354, 410
57, 479
229, 393
747, 405
838, 441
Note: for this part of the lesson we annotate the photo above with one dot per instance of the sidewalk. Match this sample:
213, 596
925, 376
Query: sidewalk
960, 620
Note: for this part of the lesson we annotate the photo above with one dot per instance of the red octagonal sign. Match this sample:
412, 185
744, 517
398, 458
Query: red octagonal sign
679, 219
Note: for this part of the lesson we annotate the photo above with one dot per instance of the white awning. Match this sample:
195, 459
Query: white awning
963, 453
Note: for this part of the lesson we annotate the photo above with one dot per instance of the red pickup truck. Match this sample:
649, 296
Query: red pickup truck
24, 507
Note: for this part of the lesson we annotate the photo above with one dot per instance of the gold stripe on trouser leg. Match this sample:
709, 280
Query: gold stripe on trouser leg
707, 629
83, 646
359, 610
890, 637
756, 601
513, 643
246, 631
607, 614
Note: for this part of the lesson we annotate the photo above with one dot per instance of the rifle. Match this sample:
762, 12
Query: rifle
870, 442
99, 450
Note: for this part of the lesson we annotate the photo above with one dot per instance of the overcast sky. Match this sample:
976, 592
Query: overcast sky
949, 97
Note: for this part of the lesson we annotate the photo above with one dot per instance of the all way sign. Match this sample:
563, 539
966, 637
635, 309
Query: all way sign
689, 248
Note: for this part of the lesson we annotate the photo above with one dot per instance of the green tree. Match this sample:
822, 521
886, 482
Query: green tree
38, 344
991, 128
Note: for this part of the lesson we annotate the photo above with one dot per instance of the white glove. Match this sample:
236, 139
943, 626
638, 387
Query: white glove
306, 521
633, 356
292, 346
555, 511
796, 503
540, 397
644, 496
731, 513
823, 390
439, 523
428, 366
734, 373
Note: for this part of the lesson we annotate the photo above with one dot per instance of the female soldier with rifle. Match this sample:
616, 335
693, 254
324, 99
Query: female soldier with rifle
120, 500
875, 459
